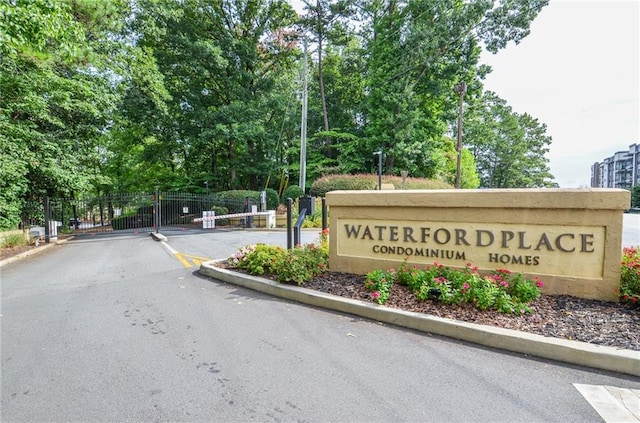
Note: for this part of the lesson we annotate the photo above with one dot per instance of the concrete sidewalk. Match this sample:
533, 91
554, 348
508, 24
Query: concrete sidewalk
567, 351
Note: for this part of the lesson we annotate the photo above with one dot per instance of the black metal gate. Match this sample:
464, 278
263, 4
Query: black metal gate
131, 212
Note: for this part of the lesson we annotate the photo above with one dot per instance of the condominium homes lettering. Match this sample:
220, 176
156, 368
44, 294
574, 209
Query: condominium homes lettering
488, 244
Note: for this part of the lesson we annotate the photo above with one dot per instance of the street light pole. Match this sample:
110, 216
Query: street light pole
461, 89
302, 178
379, 154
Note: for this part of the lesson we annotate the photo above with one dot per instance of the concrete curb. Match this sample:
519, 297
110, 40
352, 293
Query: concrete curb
32, 252
574, 352
158, 237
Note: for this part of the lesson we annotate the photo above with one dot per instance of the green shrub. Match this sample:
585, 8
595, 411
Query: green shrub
14, 240
343, 182
379, 284
295, 266
301, 264
500, 290
273, 199
257, 259
219, 210
239, 195
293, 192
370, 182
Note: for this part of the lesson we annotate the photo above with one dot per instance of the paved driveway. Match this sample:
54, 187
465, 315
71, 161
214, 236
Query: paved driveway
118, 329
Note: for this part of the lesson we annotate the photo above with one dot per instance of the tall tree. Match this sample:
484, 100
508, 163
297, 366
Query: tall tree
344, 75
221, 61
56, 97
418, 50
509, 148
324, 21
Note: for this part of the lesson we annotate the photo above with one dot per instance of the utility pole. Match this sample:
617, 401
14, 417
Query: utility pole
461, 89
303, 125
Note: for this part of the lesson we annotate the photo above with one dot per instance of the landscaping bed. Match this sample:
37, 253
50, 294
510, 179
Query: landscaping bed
592, 321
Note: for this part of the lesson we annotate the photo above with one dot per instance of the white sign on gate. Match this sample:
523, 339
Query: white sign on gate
208, 221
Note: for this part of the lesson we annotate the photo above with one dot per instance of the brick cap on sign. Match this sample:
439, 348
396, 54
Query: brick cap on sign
534, 198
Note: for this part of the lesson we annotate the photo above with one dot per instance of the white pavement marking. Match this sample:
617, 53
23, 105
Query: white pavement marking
168, 247
615, 405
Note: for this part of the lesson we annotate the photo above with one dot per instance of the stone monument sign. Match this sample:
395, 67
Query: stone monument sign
570, 238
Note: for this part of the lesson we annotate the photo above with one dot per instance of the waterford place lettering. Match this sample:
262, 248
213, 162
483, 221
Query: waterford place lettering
450, 243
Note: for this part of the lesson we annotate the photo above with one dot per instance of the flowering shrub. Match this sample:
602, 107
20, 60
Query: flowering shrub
500, 290
379, 283
630, 276
257, 259
301, 264
296, 266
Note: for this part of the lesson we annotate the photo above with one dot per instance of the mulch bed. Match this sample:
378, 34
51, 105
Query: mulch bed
592, 321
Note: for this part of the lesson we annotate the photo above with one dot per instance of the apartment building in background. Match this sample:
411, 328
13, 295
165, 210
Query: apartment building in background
622, 170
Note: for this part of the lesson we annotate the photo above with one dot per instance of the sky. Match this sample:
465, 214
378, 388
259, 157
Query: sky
578, 73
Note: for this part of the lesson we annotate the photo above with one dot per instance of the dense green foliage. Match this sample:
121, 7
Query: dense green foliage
296, 266
509, 148
293, 192
635, 196
370, 182
204, 96
500, 290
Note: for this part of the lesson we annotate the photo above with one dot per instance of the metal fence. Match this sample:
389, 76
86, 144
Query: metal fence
131, 212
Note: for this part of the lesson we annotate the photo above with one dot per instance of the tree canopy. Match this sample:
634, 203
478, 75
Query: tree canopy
124, 95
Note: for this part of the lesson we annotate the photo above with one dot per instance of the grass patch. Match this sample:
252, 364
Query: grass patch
13, 240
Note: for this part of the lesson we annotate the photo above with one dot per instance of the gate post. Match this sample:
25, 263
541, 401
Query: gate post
156, 211
47, 219
289, 229
324, 214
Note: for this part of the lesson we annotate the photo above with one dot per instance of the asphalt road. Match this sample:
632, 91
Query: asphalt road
120, 329
630, 230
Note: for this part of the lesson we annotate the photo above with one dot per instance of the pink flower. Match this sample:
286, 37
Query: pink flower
465, 286
375, 295
539, 284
